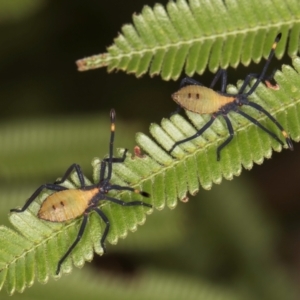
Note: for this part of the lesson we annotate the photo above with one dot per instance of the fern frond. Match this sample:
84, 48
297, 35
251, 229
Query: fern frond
32, 250
191, 36
35, 252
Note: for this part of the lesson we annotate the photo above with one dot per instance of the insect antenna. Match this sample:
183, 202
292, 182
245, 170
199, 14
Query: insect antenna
111, 142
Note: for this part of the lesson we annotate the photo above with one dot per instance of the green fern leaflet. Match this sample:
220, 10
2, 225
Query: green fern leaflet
194, 35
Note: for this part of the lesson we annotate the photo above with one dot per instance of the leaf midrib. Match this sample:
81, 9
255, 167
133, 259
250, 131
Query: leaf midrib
109, 57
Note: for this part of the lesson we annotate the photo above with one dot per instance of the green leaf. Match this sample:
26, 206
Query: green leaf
194, 35
31, 251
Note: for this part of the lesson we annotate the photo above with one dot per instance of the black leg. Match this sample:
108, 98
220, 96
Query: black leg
198, 133
123, 203
48, 186
105, 219
246, 81
78, 238
117, 159
189, 81
114, 160
257, 123
75, 167
102, 170
284, 133
53, 186
254, 75
228, 140
128, 188
106, 230
222, 73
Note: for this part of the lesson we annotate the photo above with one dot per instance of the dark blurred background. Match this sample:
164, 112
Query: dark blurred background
41, 90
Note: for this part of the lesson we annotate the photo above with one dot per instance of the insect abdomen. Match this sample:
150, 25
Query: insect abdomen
65, 205
200, 99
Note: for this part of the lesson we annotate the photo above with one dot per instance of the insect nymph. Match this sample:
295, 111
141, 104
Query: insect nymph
67, 204
197, 98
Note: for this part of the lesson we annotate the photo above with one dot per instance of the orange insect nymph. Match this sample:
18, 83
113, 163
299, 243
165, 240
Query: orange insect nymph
67, 204
195, 97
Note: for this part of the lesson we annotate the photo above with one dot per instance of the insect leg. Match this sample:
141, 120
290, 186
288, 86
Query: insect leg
246, 82
267, 80
228, 140
78, 238
123, 203
128, 188
222, 73
114, 160
284, 133
106, 230
48, 186
198, 133
102, 170
75, 167
189, 81
257, 123
117, 159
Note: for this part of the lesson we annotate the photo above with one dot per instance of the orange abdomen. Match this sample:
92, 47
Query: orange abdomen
65, 205
200, 99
